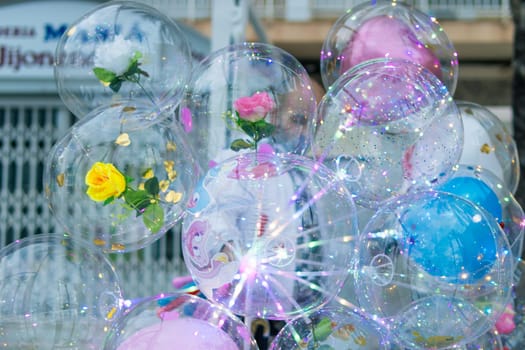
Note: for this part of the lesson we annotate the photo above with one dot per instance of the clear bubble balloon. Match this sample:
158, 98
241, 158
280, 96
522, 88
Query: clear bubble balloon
386, 127
122, 50
269, 236
178, 321
332, 328
119, 180
488, 144
56, 292
485, 189
385, 29
247, 96
435, 267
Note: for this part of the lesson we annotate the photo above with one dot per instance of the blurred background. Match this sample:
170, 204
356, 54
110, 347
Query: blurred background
33, 118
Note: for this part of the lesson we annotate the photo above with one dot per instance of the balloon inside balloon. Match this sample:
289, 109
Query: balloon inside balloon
475, 190
178, 321
396, 38
459, 231
436, 267
384, 29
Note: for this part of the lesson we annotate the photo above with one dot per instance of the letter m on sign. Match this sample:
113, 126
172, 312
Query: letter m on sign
50, 33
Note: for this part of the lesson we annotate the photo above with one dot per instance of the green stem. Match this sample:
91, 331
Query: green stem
150, 96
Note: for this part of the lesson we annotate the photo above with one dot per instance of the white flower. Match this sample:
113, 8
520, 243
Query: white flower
115, 56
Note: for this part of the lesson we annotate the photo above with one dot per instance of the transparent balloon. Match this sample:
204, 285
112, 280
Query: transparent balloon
122, 50
269, 236
387, 127
245, 96
488, 191
56, 292
435, 267
332, 328
388, 29
178, 321
488, 144
119, 180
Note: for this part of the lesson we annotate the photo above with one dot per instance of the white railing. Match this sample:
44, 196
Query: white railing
319, 9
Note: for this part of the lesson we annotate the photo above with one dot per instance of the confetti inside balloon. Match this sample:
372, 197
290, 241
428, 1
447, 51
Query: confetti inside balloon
178, 321
118, 179
488, 144
331, 329
384, 29
387, 127
122, 50
247, 96
269, 236
435, 267
56, 292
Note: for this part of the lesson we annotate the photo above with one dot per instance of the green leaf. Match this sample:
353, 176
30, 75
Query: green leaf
133, 69
128, 179
247, 126
144, 73
115, 84
153, 217
137, 55
137, 199
241, 144
264, 129
152, 186
109, 200
104, 75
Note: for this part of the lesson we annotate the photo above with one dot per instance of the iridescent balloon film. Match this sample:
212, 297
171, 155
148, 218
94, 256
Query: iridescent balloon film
387, 127
269, 236
436, 267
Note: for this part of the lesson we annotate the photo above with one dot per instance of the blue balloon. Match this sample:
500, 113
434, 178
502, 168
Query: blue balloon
450, 237
476, 191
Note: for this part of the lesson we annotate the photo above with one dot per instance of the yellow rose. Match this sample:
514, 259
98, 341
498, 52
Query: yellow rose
104, 181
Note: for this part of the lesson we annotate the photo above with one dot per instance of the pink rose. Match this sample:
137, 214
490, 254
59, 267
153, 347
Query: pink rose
255, 107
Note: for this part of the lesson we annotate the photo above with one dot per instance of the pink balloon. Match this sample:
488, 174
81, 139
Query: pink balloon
387, 37
505, 323
179, 333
